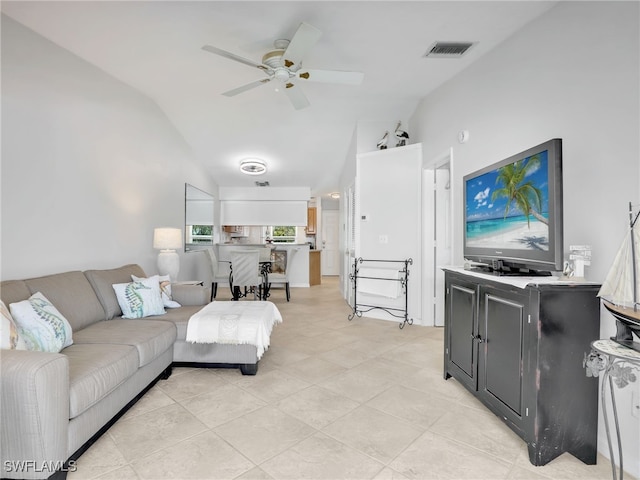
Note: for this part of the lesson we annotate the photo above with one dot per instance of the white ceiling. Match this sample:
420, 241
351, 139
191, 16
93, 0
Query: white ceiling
155, 46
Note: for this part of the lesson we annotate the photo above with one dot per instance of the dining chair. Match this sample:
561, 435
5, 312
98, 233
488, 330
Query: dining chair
283, 278
265, 254
216, 275
245, 272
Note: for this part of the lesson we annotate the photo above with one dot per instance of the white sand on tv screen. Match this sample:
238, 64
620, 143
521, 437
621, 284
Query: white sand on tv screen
532, 237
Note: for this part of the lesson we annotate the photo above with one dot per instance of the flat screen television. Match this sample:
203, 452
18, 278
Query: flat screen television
513, 213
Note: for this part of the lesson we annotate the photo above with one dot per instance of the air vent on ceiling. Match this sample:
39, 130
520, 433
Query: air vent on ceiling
262, 184
448, 49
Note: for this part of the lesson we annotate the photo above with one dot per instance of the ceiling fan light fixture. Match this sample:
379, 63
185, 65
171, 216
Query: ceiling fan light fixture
253, 166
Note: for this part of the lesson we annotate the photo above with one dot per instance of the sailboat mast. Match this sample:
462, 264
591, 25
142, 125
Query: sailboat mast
632, 222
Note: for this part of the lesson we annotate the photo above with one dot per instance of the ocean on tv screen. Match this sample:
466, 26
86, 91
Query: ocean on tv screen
496, 200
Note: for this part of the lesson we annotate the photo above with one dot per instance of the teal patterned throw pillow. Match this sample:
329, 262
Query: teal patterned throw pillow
140, 298
40, 325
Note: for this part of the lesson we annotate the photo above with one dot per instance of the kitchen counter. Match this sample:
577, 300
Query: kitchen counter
299, 268
262, 244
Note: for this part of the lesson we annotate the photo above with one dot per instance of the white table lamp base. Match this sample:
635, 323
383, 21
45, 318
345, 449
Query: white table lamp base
169, 264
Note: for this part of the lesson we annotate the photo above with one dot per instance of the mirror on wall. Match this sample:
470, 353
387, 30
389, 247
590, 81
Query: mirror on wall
198, 214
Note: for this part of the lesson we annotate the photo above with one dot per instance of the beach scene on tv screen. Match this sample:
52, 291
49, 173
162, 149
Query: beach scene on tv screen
507, 208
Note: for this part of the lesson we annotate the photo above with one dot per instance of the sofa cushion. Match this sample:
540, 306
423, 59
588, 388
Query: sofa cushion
12, 291
102, 281
41, 325
180, 317
95, 371
150, 337
72, 295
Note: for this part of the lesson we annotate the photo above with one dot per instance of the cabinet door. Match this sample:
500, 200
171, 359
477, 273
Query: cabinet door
461, 326
311, 220
503, 334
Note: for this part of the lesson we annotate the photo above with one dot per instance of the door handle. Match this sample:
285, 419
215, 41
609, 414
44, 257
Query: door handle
477, 337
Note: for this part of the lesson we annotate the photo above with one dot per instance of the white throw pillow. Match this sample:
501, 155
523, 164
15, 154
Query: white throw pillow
165, 290
10, 339
41, 325
140, 298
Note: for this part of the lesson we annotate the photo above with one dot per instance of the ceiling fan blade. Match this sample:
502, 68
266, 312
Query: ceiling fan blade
246, 87
233, 56
302, 42
296, 96
331, 76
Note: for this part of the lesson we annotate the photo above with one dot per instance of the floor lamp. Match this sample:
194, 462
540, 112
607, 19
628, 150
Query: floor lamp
167, 240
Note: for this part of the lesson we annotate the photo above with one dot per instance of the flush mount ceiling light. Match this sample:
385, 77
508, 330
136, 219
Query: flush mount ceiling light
334, 195
253, 166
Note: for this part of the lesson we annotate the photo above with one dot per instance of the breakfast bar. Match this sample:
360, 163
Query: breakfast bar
299, 268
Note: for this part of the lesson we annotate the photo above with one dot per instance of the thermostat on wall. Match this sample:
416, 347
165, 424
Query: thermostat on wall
364, 218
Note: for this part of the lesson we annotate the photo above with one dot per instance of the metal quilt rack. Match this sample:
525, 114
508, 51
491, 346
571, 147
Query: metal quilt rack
359, 308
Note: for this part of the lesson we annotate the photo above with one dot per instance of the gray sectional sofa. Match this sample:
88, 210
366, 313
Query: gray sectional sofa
53, 406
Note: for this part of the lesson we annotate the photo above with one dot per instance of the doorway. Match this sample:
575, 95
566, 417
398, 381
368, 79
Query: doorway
437, 225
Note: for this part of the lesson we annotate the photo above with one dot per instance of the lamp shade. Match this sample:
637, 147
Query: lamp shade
167, 238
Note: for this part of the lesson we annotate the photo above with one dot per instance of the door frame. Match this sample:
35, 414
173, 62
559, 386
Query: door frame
432, 301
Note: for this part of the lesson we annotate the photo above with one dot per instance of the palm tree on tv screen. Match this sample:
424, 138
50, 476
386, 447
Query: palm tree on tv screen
525, 195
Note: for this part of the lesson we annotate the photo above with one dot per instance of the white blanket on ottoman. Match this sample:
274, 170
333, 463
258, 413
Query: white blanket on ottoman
234, 323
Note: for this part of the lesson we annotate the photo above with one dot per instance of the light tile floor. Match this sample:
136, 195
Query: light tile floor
332, 399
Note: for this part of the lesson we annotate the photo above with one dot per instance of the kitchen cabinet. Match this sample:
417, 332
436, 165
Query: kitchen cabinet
315, 272
311, 220
240, 230
519, 348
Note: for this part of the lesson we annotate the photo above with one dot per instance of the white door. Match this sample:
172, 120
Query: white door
437, 236
443, 226
330, 242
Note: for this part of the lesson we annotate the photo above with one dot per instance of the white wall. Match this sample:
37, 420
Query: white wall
89, 166
389, 196
572, 73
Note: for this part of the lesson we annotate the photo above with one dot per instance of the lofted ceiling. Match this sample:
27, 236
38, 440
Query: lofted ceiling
156, 47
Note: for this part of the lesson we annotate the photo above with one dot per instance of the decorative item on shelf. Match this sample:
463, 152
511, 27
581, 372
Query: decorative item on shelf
167, 240
401, 135
581, 257
382, 144
567, 270
620, 292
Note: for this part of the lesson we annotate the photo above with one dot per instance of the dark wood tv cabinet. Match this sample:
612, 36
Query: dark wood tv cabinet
519, 348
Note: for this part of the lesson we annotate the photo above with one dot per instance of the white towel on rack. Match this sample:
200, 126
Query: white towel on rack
383, 282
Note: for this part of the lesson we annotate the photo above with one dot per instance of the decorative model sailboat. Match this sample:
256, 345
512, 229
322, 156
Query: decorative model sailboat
620, 291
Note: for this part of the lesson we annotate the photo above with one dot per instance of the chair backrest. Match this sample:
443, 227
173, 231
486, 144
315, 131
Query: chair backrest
290, 254
211, 255
265, 254
245, 268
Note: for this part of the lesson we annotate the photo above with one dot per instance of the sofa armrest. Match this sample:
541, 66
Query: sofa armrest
190, 294
34, 413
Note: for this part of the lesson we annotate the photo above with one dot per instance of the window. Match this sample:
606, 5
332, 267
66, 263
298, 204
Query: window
282, 234
200, 234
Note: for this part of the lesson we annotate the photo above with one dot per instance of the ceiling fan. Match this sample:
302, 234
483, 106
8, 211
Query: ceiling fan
284, 65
